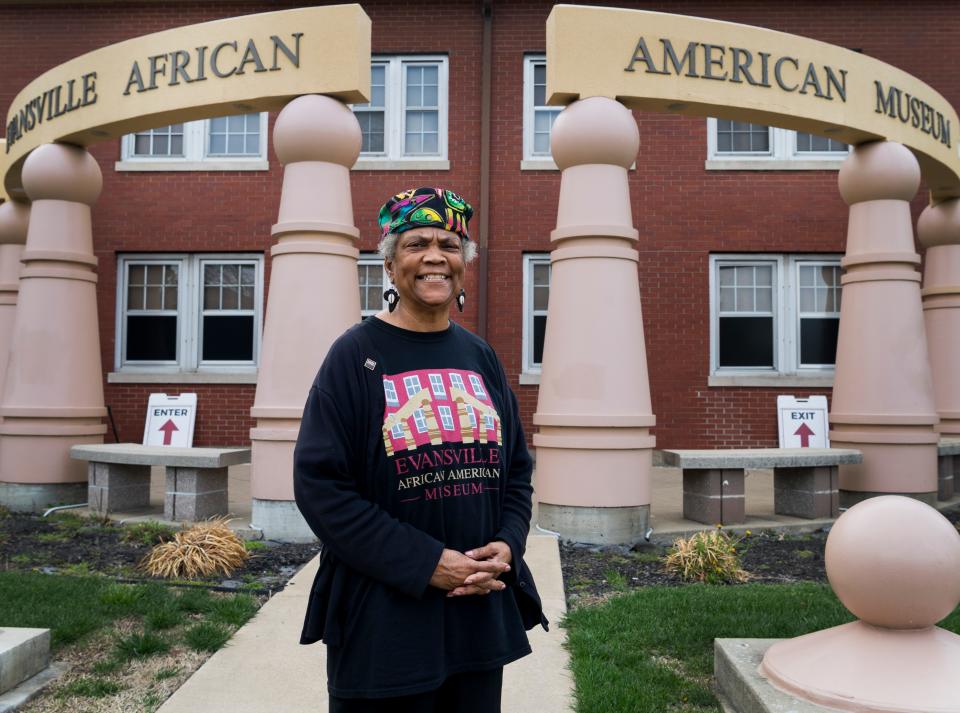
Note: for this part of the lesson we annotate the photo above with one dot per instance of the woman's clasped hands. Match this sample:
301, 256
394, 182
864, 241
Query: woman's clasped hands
476, 571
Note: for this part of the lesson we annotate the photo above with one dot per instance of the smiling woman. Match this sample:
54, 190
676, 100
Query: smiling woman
422, 595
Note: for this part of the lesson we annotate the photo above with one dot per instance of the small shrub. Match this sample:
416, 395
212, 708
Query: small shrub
207, 636
108, 665
77, 569
20, 559
90, 687
195, 601
52, 537
805, 554
615, 579
148, 533
204, 549
706, 557
236, 610
140, 646
254, 545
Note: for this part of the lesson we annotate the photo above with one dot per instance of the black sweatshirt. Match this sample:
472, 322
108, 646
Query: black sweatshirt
402, 451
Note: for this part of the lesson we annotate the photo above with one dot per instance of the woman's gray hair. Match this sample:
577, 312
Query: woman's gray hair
388, 248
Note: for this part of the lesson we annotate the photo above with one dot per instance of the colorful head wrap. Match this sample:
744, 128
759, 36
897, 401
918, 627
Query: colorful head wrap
420, 207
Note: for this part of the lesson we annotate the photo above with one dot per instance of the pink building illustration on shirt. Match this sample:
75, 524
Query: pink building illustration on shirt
434, 406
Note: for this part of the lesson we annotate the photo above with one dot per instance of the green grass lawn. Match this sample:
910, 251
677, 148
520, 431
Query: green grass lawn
651, 651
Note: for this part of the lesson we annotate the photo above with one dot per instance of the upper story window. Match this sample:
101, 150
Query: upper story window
226, 143
184, 313
740, 145
536, 296
404, 125
538, 118
775, 314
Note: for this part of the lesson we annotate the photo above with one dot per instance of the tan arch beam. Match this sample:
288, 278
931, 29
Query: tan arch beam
688, 65
241, 64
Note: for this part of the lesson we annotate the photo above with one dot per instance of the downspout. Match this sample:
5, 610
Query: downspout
486, 71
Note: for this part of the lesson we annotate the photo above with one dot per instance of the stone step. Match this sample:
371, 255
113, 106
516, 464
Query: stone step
23, 653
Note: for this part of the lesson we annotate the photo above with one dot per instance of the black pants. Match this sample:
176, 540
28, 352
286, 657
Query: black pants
470, 692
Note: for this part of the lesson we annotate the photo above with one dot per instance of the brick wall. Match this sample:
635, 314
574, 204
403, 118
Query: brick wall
682, 211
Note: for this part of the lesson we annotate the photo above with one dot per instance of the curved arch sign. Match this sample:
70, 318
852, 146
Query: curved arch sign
688, 65
242, 64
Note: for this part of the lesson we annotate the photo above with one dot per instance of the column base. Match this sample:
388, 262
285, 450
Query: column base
849, 498
281, 521
595, 525
37, 497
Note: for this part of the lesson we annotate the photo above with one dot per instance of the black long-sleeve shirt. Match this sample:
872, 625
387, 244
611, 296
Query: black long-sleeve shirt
411, 442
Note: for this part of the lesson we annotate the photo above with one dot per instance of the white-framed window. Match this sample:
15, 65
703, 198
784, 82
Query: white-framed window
189, 312
436, 384
397, 430
390, 393
456, 381
488, 422
227, 143
404, 125
412, 385
774, 314
740, 145
446, 417
477, 386
538, 118
420, 421
373, 281
472, 415
536, 296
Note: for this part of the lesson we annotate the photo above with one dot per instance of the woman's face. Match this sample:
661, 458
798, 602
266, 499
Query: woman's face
427, 268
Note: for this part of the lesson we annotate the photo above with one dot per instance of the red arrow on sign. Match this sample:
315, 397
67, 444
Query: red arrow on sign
168, 428
804, 432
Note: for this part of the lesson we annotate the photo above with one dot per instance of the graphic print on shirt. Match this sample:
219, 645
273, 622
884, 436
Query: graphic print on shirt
449, 408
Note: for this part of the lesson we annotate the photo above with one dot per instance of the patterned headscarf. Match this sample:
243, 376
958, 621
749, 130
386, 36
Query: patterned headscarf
420, 207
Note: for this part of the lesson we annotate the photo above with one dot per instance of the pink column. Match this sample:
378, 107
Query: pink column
939, 232
14, 219
594, 447
314, 294
53, 393
883, 403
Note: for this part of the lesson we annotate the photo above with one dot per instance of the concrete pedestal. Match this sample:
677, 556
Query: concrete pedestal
23, 653
195, 493
714, 496
53, 391
594, 448
314, 291
883, 399
806, 492
118, 487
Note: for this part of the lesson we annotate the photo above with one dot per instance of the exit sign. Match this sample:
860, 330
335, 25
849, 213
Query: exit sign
803, 422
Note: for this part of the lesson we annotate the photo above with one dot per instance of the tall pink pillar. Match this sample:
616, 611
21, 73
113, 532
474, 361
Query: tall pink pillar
939, 232
53, 393
594, 448
14, 220
314, 294
883, 403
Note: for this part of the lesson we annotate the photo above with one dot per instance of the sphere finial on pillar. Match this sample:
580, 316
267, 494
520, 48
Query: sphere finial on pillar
595, 130
317, 128
895, 563
14, 220
62, 172
881, 170
940, 224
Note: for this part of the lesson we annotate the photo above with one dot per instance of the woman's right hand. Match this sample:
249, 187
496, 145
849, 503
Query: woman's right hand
454, 567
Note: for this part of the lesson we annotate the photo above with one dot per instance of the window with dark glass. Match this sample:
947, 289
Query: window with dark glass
151, 312
228, 315
746, 316
819, 313
742, 137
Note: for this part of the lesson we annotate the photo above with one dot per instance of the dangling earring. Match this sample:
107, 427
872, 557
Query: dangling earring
392, 297
461, 298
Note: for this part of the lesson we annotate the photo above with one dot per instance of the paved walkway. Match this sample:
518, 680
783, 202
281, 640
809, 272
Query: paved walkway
263, 669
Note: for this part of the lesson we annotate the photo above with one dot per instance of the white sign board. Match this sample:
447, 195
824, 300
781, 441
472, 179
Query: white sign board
170, 420
803, 422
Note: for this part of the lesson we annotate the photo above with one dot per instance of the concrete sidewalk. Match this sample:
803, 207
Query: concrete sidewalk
263, 669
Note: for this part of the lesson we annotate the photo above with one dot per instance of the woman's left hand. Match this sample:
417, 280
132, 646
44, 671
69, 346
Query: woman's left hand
484, 582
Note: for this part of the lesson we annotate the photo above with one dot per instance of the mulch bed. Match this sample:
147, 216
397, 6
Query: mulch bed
29, 542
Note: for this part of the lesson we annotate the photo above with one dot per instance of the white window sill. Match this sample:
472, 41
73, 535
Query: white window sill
529, 378
538, 164
182, 377
773, 164
813, 381
211, 165
384, 164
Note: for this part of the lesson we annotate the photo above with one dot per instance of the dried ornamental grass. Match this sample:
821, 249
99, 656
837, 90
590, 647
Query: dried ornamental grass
204, 549
706, 557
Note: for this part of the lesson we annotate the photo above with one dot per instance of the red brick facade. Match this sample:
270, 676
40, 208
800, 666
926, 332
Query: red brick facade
683, 212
